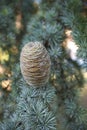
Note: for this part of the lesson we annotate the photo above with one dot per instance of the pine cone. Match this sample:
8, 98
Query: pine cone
35, 64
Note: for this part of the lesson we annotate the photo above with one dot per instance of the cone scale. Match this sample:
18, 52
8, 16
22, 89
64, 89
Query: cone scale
35, 64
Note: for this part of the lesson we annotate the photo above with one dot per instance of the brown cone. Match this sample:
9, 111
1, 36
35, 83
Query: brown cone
35, 64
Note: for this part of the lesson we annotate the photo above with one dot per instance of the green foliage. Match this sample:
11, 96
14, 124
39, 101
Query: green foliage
35, 114
54, 106
7, 30
73, 17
